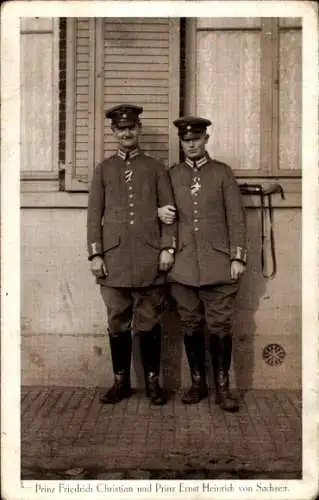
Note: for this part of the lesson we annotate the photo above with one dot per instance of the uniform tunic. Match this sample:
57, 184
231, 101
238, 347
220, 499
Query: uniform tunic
123, 224
211, 222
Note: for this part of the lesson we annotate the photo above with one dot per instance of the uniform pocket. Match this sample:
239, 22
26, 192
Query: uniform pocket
151, 237
221, 248
111, 241
153, 243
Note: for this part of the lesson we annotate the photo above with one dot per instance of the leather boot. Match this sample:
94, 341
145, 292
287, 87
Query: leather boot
150, 346
195, 351
121, 352
221, 351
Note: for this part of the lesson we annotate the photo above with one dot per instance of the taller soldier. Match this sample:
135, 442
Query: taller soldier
209, 260
130, 251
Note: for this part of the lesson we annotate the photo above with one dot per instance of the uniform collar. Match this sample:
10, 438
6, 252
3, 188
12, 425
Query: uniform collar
128, 155
198, 163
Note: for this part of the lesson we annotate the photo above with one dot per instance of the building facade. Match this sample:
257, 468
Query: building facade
242, 73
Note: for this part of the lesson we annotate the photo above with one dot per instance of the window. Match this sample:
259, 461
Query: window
245, 74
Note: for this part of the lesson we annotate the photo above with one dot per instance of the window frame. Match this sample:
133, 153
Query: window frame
72, 182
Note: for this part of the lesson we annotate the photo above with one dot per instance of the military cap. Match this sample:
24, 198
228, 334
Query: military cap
191, 127
124, 115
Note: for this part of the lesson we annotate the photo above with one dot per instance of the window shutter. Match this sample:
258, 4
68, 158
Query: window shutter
112, 61
39, 39
140, 65
80, 102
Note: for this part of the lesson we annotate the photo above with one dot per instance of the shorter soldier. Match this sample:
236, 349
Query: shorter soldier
130, 251
209, 260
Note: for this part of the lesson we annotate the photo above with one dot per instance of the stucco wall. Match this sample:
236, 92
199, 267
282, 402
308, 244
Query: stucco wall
64, 321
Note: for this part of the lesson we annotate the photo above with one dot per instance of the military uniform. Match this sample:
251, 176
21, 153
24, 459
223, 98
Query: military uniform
211, 233
124, 228
126, 191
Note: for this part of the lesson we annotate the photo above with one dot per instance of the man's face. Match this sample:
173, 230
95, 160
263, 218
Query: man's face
194, 148
128, 137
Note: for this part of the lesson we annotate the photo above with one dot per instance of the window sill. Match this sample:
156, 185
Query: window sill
53, 200
292, 189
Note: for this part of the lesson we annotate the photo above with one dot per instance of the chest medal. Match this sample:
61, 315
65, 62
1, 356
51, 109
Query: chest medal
195, 187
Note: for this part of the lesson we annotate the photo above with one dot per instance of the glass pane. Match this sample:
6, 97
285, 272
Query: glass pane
290, 100
36, 101
228, 93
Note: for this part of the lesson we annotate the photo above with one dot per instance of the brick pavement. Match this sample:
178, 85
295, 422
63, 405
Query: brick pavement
67, 433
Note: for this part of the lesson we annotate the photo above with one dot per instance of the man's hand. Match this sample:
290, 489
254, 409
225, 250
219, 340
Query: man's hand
166, 260
167, 214
98, 267
237, 269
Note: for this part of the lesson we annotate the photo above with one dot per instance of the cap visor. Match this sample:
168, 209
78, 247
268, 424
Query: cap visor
124, 123
188, 136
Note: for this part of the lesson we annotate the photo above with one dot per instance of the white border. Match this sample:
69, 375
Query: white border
10, 266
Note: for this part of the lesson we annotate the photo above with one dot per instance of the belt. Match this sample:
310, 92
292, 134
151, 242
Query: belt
259, 190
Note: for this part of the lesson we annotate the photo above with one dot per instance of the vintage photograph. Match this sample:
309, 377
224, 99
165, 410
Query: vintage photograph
161, 251
161, 248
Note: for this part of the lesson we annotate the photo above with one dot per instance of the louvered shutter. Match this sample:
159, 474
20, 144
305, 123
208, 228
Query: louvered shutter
119, 60
80, 102
141, 66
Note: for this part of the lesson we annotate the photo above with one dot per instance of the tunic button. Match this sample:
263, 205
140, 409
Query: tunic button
195, 202
195, 220
130, 196
195, 211
128, 163
130, 188
131, 204
196, 229
131, 222
131, 213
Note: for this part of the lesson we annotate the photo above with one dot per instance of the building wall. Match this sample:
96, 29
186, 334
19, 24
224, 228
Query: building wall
64, 322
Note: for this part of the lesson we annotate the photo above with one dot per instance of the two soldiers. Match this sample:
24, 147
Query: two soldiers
133, 254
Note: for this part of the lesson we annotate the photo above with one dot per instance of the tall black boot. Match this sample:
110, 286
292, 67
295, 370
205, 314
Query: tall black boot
221, 351
150, 346
195, 351
121, 352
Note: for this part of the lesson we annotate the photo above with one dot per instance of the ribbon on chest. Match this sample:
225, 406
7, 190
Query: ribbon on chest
128, 173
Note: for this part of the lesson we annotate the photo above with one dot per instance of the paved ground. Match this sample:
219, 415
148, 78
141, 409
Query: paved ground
66, 433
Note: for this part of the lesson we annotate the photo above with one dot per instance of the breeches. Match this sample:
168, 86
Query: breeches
212, 306
140, 308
